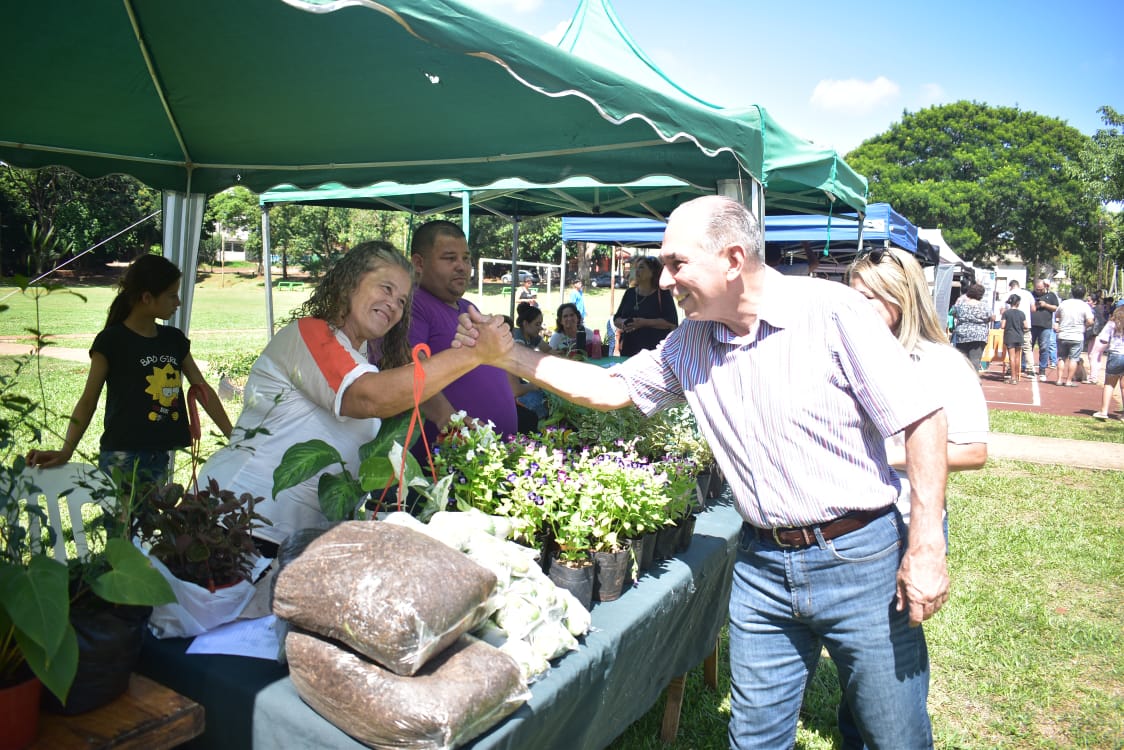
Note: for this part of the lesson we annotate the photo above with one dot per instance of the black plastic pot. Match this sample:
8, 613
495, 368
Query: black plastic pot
109, 645
667, 539
612, 569
577, 580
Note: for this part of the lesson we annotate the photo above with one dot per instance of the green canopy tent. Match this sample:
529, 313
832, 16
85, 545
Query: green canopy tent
194, 97
797, 174
511, 199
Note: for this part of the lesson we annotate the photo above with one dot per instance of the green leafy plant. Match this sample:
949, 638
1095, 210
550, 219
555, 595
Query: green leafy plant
37, 592
343, 495
204, 537
35, 630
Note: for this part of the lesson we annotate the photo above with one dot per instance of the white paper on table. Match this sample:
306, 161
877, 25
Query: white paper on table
254, 638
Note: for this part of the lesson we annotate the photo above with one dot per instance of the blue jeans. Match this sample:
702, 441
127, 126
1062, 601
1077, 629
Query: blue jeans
151, 466
1047, 348
787, 603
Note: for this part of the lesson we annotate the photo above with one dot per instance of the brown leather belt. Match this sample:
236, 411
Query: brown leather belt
796, 537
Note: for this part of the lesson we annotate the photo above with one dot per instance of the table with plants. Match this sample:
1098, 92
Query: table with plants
587, 488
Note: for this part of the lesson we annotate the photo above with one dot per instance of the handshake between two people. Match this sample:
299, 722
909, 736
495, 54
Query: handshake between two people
488, 335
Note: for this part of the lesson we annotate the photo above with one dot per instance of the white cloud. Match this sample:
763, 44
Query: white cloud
555, 35
852, 96
931, 93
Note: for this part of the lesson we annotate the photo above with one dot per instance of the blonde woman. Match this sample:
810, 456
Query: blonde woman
893, 282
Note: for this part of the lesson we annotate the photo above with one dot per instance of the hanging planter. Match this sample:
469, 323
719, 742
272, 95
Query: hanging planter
19, 713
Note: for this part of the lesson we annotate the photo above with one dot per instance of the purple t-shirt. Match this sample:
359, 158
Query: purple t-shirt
485, 392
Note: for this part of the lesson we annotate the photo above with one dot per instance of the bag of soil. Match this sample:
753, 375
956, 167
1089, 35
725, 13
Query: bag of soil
391, 593
459, 694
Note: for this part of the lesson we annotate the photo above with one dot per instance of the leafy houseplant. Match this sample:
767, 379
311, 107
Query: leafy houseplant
35, 630
204, 537
37, 593
343, 495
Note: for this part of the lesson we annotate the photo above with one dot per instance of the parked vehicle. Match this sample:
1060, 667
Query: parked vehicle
523, 276
601, 280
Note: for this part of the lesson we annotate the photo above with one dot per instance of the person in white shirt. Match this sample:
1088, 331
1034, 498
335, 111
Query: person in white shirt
1073, 316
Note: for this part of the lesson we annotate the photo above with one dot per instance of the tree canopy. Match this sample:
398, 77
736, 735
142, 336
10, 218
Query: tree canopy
995, 180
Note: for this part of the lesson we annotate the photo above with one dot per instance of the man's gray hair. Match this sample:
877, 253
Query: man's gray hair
730, 223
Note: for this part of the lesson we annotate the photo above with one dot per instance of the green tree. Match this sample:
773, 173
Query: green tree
993, 179
1100, 168
78, 213
1100, 163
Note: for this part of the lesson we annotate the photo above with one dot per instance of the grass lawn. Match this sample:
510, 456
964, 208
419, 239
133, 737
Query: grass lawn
1026, 654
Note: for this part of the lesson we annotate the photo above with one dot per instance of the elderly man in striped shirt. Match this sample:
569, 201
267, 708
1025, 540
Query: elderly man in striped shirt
795, 382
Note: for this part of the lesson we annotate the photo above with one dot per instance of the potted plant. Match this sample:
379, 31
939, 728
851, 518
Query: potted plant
204, 537
385, 462
37, 642
571, 566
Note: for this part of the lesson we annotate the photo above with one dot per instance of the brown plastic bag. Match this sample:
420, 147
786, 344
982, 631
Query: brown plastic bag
455, 697
390, 593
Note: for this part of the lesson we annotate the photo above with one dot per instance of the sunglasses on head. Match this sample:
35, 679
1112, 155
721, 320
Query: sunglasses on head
876, 257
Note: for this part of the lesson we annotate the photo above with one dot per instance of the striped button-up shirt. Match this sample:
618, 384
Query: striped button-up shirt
798, 409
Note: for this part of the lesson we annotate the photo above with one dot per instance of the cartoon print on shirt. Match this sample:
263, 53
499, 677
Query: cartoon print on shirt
164, 387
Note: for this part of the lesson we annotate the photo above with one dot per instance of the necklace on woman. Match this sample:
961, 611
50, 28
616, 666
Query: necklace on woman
638, 298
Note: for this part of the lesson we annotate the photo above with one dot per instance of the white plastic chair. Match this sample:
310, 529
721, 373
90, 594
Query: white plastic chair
64, 484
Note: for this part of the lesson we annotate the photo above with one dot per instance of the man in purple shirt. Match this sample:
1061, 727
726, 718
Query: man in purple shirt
795, 382
439, 252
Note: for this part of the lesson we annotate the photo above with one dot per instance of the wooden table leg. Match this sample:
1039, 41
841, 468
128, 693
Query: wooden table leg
671, 709
710, 668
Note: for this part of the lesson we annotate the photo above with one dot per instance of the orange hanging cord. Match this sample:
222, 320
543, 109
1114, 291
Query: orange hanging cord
420, 352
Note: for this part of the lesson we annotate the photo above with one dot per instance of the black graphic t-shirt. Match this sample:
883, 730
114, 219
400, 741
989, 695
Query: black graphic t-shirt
144, 404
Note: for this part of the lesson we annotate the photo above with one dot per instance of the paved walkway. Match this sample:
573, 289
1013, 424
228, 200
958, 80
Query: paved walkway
1040, 450
1081, 454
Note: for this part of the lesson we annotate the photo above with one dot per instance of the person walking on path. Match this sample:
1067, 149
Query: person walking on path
142, 365
1015, 325
1110, 341
1074, 317
1042, 327
796, 383
1026, 305
972, 318
577, 297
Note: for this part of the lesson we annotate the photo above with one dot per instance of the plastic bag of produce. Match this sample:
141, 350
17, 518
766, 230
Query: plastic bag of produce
391, 593
459, 694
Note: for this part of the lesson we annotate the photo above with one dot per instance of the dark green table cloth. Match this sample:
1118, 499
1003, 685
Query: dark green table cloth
663, 626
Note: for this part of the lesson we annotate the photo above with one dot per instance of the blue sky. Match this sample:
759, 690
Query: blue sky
838, 74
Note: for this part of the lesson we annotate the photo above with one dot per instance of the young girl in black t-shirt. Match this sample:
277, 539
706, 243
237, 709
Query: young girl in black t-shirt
142, 365
1014, 323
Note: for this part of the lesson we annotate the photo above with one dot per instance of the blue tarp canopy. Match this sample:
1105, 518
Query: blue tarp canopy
797, 234
612, 231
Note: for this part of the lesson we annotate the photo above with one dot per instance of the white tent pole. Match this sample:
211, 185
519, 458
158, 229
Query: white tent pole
267, 264
514, 264
183, 222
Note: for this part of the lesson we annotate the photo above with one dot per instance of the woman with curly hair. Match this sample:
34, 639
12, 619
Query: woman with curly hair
313, 381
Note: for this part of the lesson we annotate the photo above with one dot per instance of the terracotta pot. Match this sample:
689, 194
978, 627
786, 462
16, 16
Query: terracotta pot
19, 714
